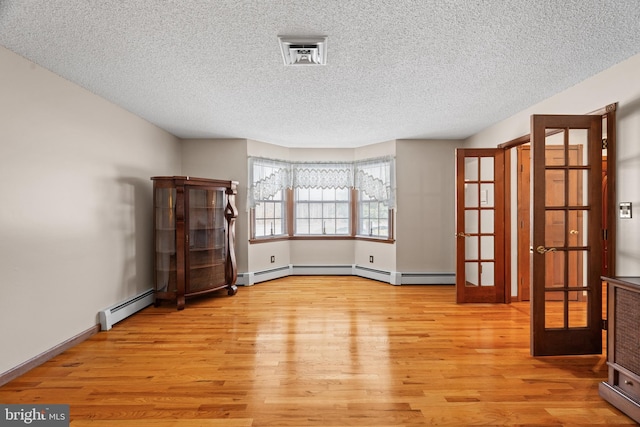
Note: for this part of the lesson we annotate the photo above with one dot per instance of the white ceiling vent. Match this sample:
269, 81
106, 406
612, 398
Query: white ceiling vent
303, 50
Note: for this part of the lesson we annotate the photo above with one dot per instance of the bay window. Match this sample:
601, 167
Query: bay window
321, 199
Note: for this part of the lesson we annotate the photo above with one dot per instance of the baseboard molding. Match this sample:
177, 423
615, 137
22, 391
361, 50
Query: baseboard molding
14, 373
391, 277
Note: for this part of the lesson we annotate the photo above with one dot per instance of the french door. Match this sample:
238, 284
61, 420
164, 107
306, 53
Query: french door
480, 226
566, 296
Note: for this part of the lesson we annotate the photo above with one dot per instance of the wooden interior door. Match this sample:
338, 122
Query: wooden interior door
566, 297
480, 226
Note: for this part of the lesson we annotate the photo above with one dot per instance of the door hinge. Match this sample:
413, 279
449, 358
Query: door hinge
605, 234
604, 324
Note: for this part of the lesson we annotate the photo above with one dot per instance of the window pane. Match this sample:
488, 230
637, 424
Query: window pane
302, 194
364, 210
302, 210
342, 194
259, 227
342, 226
329, 227
302, 226
315, 210
269, 210
328, 194
329, 210
315, 194
342, 210
315, 226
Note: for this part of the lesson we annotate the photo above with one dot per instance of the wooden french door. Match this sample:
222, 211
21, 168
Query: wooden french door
566, 297
480, 226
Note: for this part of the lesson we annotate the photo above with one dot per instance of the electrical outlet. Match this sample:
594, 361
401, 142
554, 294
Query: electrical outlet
370, 258
273, 259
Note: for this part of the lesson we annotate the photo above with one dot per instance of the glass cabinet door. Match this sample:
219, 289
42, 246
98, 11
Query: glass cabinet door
165, 232
206, 239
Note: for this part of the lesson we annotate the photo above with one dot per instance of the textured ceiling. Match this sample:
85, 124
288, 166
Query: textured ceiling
396, 68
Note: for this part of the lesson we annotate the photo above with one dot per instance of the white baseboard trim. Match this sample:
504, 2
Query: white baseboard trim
392, 277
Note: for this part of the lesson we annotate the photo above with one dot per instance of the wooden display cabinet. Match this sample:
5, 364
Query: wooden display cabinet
194, 236
622, 388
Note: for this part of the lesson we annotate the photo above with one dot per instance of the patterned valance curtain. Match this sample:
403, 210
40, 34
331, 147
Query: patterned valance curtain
266, 178
322, 175
376, 178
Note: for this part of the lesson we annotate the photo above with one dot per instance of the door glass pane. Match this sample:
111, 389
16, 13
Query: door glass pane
471, 195
555, 229
486, 221
471, 247
486, 247
486, 168
554, 310
554, 194
578, 187
578, 310
554, 149
577, 262
165, 239
577, 227
486, 195
471, 169
579, 147
487, 274
555, 268
471, 221
471, 273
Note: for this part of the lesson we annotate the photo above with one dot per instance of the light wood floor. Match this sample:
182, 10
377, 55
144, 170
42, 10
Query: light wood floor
320, 351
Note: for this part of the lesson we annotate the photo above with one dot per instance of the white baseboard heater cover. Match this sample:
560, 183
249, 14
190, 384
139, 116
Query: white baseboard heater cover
118, 312
392, 277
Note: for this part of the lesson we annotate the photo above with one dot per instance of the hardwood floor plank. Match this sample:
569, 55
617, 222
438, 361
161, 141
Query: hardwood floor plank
320, 351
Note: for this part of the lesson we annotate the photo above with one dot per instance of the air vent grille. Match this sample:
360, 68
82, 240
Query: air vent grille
303, 50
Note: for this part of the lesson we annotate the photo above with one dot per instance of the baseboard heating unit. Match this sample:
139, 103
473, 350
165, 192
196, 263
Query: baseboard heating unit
392, 277
373, 274
118, 312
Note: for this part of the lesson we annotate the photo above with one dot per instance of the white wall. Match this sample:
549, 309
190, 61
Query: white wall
426, 206
621, 84
222, 159
75, 219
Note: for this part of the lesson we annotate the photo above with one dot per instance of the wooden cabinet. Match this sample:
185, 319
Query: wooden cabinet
622, 388
194, 237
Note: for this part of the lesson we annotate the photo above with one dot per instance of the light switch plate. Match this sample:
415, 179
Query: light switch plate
625, 210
